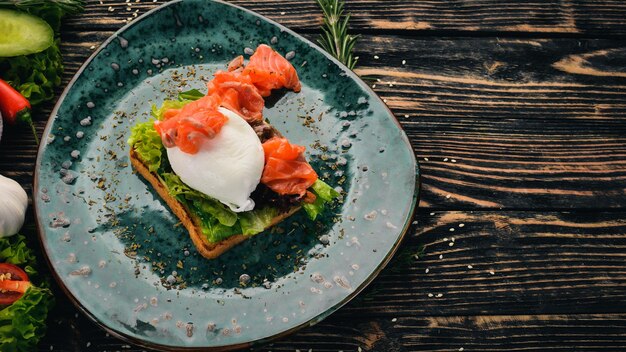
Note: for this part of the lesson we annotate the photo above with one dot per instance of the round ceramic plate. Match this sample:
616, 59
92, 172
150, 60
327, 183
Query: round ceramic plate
119, 252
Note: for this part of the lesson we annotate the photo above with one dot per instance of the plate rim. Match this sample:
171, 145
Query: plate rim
310, 322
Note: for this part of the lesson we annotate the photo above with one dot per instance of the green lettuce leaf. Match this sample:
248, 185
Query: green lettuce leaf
36, 75
23, 323
190, 95
324, 194
257, 220
147, 144
202, 202
157, 112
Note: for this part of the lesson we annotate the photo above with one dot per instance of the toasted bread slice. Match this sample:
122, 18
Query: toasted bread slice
190, 221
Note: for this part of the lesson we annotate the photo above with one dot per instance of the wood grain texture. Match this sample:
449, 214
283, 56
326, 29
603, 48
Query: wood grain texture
552, 17
522, 144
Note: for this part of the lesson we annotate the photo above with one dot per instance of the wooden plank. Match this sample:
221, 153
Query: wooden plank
552, 17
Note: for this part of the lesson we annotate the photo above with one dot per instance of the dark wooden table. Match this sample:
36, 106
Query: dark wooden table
517, 114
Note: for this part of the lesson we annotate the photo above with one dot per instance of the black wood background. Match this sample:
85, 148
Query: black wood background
517, 113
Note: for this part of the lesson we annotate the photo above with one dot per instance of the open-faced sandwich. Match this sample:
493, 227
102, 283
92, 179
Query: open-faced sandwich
224, 171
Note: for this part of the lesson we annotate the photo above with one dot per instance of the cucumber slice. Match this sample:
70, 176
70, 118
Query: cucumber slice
23, 34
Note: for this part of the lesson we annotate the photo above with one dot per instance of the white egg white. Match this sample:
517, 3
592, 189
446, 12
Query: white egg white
227, 168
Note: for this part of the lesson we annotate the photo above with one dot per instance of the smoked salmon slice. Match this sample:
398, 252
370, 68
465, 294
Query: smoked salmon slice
188, 127
268, 70
237, 93
286, 172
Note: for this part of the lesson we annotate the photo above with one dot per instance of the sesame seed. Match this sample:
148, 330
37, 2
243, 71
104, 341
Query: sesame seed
452, 239
426, 159
452, 229
373, 86
470, 267
451, 244
283, 13
406, 116
492, 272
440, 256
445, 239
376, 57
461, 225
427, 270
461, 349
404, 62
439, 295
431, 214
430, 295
448, 196
453, 160
446, 159
394, 320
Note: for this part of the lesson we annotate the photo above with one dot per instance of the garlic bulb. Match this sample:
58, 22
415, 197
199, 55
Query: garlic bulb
13, 203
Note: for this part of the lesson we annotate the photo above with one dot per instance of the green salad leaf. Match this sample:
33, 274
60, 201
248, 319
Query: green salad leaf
35, 76
324, 194
147, 144
178, 189
23, 323
157, 112
190, 95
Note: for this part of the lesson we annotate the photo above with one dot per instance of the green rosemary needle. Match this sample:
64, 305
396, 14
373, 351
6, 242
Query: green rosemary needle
335, 38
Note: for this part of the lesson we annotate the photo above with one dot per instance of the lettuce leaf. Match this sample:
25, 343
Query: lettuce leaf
36, 75
190, 95
157, 112
257, 220
324, 194
202, 202
23, 323
147, 144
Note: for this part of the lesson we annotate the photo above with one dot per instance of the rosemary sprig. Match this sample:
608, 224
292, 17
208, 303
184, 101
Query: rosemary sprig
335, 38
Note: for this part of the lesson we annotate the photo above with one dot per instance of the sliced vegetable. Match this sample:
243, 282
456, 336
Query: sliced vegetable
14, 107
13, 283
52, 11
23, 34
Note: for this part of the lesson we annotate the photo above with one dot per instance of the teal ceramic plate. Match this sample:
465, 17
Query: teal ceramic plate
120, 254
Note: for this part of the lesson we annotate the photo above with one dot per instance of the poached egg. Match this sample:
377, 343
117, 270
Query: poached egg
227, 167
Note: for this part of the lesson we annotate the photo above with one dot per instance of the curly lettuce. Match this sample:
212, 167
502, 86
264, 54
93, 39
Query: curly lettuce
146, 142
157, 112
324, 194
23, 323
35, 76
218, 221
